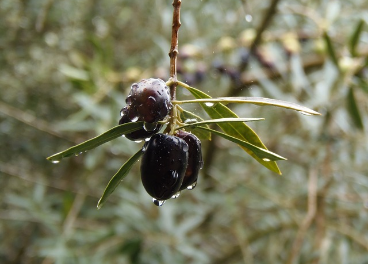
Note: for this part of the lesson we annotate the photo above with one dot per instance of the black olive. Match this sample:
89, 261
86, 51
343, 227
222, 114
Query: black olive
148, 101
163, 165
195, 161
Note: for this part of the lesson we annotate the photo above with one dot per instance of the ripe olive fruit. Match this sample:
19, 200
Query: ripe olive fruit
195, 161
140, 134
163, 165
148, 101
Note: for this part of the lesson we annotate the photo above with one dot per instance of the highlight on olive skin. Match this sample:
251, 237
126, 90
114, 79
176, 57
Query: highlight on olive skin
163, 165
148, 101
195, 162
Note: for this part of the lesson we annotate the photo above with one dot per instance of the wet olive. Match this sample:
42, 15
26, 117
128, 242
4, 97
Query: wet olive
140, 134
148, 101
163, 165
195, 161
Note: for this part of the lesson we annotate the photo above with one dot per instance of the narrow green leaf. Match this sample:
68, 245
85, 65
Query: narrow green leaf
187, 116
353, 109
96, 141
253, 100
331, 50
118, 177
354, 39
221, 120
237, 130
261, 153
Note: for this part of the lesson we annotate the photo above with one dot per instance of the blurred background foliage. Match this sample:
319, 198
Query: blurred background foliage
66, 67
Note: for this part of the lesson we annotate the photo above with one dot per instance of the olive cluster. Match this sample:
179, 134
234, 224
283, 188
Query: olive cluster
170, 163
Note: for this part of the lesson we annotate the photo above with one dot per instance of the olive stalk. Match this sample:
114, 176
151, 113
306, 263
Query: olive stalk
173, 54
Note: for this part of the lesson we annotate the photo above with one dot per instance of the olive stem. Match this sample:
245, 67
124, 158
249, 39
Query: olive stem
174, 50
173, 54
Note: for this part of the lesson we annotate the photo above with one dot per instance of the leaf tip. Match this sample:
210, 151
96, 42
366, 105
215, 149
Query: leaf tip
99, 204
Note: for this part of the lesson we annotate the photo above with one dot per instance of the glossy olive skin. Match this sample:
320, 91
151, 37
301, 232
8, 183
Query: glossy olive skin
163, 165
195, 161
149, 100
138, 134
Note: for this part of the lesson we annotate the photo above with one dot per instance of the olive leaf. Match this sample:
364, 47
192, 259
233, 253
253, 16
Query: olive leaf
354, 39
238, 130
331, 50
118, 177
353, 109
263, 154
97, 141
221, 120
187, 116
253, 100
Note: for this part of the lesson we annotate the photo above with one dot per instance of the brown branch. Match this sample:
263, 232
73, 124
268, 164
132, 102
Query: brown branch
307, 221
173, 54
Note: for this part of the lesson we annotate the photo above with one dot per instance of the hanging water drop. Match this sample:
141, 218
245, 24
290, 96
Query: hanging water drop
137, 141
209, 104
158, 202
149, 126
201, 164
176, 195
265, 159
305, 113
190, 121
55, 161
191, 187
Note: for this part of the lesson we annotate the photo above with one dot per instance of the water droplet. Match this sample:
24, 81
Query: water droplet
128, 100
176, 195
137, 141
305, 113
144, 148
265, 159
191, 187
189, 121
134, 119
123, 135
55, 161
149, 126
248, 18
185, 147
209, 104
201, 165
158, 202
147, 139
152, 99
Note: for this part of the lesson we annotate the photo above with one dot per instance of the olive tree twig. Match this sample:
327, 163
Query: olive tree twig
173, 54
307, 221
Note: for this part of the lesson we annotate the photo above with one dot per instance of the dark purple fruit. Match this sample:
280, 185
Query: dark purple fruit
149, 100
142, 133
163, 165
195, 161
